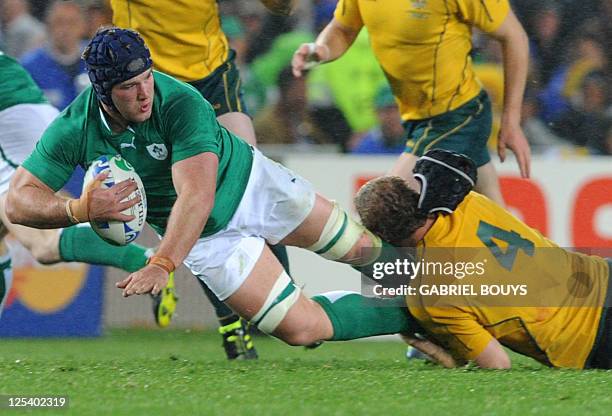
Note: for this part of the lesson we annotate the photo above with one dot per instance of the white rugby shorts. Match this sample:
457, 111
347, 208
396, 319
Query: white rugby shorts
20, 128
275, 202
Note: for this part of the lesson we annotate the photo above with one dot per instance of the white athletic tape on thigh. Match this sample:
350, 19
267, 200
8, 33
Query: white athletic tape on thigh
332, 226
339, 235
373, 252
282, 297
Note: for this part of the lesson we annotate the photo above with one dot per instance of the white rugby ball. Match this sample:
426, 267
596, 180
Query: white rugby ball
117, 232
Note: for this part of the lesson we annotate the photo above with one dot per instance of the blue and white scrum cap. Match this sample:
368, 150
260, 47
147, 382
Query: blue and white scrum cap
115, 55
446, 178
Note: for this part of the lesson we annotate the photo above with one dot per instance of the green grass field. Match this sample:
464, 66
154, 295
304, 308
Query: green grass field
147, 372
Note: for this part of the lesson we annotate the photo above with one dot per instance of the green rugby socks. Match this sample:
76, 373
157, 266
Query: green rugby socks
82, 244
355, 316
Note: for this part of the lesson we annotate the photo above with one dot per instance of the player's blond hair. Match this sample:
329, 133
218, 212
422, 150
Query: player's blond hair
388, 207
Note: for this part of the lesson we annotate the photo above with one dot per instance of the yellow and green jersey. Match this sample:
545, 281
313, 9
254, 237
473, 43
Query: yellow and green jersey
424, 47
556, 323
184, 36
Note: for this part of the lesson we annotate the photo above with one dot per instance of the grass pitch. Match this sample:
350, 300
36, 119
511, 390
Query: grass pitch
148, 372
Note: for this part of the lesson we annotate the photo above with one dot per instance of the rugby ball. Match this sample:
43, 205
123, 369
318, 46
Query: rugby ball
117, 232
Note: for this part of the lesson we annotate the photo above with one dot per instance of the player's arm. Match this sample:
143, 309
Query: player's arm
33, 203
494, 357
515, 48
282, 7
26, 195
459, 331
332, 43
438, 354
194, 180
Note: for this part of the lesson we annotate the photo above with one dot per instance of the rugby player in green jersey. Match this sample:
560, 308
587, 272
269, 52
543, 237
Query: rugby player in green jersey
215, 200
193, 48
24, 115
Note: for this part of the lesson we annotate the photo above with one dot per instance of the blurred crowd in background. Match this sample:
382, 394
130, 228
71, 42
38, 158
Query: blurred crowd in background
346, 105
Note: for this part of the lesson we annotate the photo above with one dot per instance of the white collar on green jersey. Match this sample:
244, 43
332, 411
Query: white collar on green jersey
103, 117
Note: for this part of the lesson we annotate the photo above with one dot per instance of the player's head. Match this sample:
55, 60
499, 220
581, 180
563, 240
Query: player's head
389, 208
446, 177
119, 68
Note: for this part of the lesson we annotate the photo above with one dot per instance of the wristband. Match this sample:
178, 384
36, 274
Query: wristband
162, 262
71, 217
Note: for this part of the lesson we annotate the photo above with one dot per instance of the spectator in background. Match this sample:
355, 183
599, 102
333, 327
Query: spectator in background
98, 14
271, 27
607, 144
584, 55
350, 83
587, 122
545, 42
21, 32
57, 67
288, 121
541, 138
265, 69
234, 31
388, 136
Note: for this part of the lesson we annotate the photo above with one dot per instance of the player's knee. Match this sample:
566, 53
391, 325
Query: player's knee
343, 239
44, 254
46, 250
301, 337
300, 330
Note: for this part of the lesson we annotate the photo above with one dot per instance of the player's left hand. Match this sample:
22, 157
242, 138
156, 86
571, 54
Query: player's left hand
511, 136
438, 354
150, 279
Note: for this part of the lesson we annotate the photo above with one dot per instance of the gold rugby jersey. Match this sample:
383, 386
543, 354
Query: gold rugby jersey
424, 47
184, 36
560, 331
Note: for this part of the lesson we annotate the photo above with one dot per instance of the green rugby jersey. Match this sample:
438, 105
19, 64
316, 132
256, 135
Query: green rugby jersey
16, 85
182, 125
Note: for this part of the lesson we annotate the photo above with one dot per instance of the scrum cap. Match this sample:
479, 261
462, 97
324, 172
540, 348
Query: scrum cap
446, 178
115, 55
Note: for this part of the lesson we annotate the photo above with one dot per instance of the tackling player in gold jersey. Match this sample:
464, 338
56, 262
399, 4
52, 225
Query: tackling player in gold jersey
564, 322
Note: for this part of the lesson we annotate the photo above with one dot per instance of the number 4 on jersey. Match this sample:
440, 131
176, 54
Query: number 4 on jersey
487, 232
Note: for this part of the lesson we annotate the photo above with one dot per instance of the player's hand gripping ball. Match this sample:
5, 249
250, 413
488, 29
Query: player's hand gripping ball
118, 232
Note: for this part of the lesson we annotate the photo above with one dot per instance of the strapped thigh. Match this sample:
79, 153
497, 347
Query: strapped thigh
340, 234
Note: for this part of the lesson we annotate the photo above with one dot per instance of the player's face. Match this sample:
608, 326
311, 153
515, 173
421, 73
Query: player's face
134, 97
